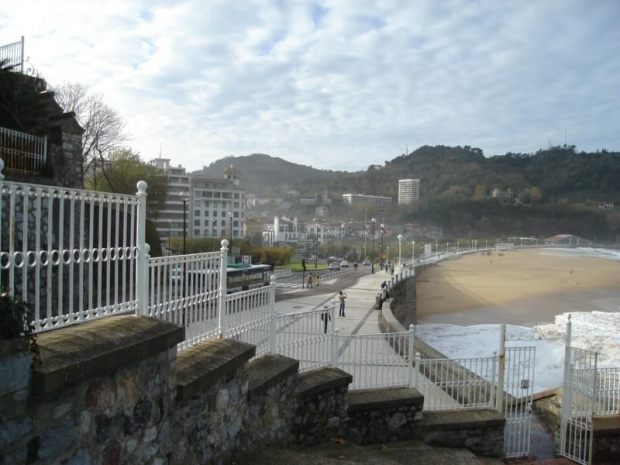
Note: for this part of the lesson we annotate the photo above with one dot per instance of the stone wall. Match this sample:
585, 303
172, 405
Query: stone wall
383, 415
115, 391
91, 404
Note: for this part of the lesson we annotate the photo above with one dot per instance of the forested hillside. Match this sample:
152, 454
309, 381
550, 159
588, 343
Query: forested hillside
548, 176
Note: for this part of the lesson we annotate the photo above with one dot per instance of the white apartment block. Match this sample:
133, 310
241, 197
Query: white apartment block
214, 206
375, 200
408, 191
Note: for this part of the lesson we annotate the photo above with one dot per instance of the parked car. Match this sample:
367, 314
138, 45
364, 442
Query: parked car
334, 266
366, 262
344, 264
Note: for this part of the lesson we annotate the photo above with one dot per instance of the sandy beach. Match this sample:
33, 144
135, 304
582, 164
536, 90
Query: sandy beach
522, 287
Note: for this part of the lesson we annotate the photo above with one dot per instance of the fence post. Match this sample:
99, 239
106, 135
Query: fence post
333, 335
142, 268
493, 380
418, 362
221, 301
410, 356
272, 315
567, 388
499, 399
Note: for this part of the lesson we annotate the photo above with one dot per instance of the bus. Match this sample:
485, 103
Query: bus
241, 277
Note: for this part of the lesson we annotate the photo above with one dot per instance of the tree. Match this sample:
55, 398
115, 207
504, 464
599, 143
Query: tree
123, 171
103, 127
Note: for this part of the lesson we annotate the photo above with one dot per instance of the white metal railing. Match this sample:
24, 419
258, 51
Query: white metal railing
377, 360
21, 152
607, 393
308, 337
335, 274
464, 383
13, 54
72, 255
185, 289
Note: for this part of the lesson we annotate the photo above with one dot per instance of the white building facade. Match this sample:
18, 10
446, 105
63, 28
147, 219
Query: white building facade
408, 191
375, 200
214, 207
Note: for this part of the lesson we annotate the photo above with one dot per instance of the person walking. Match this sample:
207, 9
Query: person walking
325, 318
341, 297
318, 279
310, 280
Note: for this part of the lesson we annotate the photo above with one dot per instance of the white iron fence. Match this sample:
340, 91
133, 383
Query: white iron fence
21, 152
449, 384
71, 255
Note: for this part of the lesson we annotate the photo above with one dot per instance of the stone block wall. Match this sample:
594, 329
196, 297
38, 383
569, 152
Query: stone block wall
383, 415
78, 411
321, 406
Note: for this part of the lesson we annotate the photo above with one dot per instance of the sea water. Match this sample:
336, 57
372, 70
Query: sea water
597, 328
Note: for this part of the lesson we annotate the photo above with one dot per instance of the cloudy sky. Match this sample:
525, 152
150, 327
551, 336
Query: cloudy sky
335, 84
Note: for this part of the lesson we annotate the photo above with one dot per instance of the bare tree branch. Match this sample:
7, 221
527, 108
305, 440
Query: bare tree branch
103, 127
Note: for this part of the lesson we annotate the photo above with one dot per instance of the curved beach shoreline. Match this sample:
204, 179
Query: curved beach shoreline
522, 287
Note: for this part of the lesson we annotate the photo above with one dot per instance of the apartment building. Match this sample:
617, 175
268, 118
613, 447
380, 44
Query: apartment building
408, 191
374, 200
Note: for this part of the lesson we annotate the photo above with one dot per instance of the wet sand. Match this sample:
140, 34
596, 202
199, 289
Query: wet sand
522, 287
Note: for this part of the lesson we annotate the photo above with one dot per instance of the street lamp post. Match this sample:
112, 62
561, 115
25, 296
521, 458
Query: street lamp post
381, 247
316, 243
413, 254
400, 240
387, 253
213, 222
184, 196
169, 237
372, 263
230, 220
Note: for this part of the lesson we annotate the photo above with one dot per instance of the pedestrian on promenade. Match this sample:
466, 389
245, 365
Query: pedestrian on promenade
318, 279
341, 297
387, 267
392, 270
325, 318
310, 279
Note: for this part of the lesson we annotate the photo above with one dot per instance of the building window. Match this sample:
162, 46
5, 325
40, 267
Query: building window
196, 212
206, 212
236, 195
223, 223
197, 232
216, 195
196, 203
236, 214
235, 223
196, 222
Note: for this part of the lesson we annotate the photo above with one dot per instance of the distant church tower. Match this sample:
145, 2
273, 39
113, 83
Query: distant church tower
232, 174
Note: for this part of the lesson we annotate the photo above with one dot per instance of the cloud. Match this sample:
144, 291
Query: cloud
333, 83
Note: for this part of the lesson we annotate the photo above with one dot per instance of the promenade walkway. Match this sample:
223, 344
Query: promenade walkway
360, 318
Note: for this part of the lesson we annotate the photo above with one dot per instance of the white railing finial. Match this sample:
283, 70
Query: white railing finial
142, 185
224, 244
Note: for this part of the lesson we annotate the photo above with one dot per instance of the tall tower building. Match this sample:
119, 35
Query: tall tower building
408, 191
